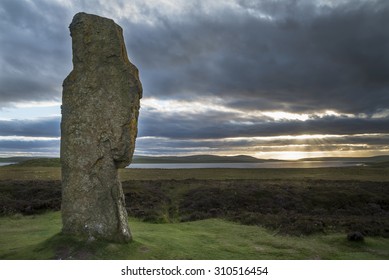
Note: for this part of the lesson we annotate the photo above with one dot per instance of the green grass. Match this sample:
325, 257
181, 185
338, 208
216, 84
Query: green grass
377, 174
29, 173
38, 237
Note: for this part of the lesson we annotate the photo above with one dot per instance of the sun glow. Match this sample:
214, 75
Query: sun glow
279, 115
292, 155
303, 149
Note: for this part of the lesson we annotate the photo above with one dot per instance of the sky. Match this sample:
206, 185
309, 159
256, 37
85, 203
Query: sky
283, 79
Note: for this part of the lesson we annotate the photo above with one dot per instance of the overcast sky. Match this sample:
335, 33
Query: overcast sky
272, 79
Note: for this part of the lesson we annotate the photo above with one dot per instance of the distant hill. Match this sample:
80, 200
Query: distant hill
55, 162
196, 159
40, 162
353, 159
15, 159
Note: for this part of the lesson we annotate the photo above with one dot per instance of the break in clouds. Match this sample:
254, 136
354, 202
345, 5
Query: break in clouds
217, 75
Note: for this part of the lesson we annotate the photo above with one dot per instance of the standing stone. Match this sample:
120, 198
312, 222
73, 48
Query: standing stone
100, 107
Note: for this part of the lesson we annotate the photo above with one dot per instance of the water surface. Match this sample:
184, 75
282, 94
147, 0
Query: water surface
6, 163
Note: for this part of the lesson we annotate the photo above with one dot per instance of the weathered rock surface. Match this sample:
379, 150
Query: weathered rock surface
99, 126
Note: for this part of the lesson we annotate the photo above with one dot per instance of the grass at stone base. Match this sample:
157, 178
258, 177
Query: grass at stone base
38, 237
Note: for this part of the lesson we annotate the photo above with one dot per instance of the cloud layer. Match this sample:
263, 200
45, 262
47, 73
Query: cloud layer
299, 57
216, 70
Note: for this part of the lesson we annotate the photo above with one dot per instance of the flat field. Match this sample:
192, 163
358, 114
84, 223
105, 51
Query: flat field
378, 174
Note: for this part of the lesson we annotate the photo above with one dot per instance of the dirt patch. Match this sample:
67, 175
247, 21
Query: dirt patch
66, 253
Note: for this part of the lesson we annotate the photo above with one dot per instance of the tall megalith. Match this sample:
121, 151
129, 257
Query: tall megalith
100, 105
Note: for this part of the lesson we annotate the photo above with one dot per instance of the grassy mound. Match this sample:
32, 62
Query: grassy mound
38, 237
39, 162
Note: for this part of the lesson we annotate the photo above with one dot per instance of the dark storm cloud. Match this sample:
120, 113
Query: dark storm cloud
202, 126
304, 57
35, 52
29, 148
43, 127
284, 55
6, 145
